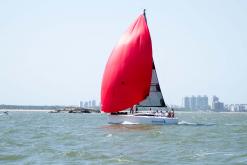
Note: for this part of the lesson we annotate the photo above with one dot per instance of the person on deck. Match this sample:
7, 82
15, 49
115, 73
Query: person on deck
172, 114
166, 114
131, 110
157, 113
169, 114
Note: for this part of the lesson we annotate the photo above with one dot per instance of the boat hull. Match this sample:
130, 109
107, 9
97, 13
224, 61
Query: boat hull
160, 120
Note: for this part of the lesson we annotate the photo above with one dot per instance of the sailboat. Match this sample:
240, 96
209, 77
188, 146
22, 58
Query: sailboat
130, 81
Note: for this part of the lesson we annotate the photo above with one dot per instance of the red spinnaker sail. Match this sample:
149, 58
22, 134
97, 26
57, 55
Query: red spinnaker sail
128, 72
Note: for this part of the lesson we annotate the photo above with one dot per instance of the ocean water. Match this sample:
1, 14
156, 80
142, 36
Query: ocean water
63, 138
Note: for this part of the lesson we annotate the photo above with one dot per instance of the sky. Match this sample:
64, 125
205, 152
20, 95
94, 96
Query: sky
54, 52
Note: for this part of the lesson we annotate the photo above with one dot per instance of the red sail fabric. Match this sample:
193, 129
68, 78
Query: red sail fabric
128, 72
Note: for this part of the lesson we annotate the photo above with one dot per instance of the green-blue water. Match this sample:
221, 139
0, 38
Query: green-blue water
63, 138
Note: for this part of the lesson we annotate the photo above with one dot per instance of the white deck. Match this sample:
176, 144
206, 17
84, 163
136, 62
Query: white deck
135, 119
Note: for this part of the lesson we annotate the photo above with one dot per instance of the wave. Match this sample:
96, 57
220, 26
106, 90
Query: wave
128, 123
195, 124
228, 124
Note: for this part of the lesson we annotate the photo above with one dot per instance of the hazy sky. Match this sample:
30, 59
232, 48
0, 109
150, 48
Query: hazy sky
54, 52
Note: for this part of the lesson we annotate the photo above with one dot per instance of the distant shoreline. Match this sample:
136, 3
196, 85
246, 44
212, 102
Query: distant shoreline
31, 107
26, 110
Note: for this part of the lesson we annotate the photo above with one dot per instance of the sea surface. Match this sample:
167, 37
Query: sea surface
63, 138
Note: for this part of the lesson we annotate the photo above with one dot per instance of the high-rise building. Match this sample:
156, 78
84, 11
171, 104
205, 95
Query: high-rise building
86, 104
93, 103
217, 105
202, 102
199, 102
81, 104
215, 99
196, 103
186, 102
193, 103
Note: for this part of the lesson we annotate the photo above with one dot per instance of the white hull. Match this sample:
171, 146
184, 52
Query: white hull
121, 119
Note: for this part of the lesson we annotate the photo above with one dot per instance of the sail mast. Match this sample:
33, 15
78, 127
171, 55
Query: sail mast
155, 98
144, 13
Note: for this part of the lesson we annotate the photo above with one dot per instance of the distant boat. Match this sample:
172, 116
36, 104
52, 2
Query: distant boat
55, 111
130, 81
4, 113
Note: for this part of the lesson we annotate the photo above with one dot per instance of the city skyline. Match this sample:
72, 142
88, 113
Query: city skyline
54, 52
202, 103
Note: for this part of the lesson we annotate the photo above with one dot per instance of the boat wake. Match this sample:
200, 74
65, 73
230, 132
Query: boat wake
128, 123
195, 124
229, 124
